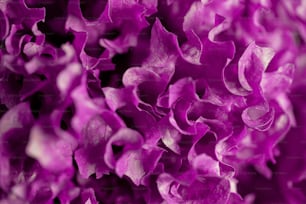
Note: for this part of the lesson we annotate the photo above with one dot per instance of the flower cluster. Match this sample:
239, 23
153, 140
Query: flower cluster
152, 101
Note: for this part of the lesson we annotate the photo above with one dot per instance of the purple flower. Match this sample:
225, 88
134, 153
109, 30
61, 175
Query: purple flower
147, 101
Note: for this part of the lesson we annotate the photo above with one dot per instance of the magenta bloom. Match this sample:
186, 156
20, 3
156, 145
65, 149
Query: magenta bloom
152, 101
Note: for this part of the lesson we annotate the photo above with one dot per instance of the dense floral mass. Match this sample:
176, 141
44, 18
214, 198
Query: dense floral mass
152, 101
